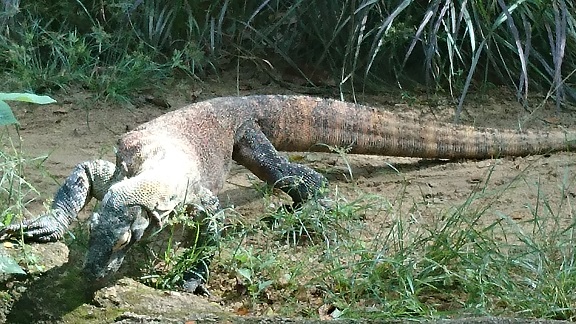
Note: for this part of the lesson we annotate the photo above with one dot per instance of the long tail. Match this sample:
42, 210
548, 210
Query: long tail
299, 123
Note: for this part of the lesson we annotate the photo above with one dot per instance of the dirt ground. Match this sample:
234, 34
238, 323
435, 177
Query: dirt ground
81, 127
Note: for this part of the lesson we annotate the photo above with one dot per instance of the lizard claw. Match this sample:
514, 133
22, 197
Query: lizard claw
43, 229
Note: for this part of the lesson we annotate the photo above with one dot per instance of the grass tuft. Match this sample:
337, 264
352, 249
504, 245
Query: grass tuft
373, 258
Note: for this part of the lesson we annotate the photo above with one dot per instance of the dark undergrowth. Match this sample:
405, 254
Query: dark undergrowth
118, 48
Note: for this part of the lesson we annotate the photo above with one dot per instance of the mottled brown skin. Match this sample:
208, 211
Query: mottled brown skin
183, 158
212, 130
300, 123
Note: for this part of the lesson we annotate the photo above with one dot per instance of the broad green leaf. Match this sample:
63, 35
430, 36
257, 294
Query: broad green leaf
6, 115
26, 97
8, 265
7, 219
265, 284
246, 273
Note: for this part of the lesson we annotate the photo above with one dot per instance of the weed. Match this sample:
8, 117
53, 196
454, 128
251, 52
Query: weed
459, 263
192, 240
15, 194
251, 267
323, 220
15, 191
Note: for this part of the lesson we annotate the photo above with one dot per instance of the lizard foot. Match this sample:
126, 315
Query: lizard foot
197, 287
323, 203
194, 279
42, 229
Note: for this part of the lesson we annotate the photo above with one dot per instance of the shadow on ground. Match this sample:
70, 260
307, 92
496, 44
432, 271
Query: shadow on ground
47, 299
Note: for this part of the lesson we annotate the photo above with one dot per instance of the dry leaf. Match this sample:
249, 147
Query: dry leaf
242, 311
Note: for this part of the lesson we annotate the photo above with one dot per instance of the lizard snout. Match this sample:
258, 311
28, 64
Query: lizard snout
97, 271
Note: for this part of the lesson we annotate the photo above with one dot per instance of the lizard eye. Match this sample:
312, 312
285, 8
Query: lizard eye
122, 241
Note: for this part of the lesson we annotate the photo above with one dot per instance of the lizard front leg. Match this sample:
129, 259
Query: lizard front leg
89, 179
254, 151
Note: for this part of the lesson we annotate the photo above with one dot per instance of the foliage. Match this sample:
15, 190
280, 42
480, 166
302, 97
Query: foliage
8, 265
453, 44
121, 46
189, 244
6, 115
15, 193
13, 186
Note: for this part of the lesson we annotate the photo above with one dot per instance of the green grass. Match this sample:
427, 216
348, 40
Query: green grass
46, 61
14, 188
456, 264
16, 193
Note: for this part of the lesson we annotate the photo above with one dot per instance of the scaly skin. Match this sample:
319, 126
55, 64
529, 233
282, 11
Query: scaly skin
88, 179
183, 158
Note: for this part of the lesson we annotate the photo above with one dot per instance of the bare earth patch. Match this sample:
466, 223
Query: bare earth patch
421, 192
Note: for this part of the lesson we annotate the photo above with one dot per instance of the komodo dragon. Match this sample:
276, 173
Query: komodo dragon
184, 156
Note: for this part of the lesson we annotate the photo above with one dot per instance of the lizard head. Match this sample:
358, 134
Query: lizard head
112, 232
